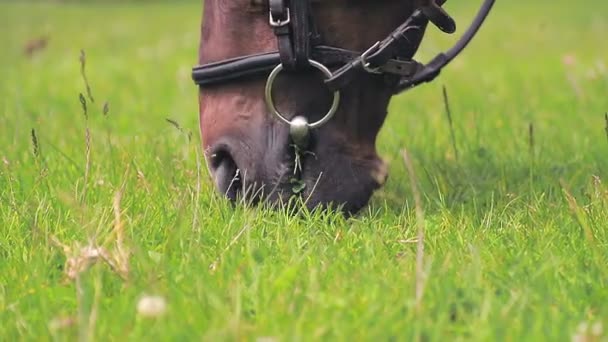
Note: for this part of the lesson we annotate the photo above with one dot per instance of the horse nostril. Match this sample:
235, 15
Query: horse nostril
226, 174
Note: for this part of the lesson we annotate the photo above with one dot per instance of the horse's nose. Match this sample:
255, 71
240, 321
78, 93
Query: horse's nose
225, 172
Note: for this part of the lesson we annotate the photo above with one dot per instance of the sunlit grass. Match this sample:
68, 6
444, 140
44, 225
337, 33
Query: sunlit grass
516, 242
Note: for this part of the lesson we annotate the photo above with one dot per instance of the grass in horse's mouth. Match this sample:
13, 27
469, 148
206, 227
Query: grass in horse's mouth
235, 187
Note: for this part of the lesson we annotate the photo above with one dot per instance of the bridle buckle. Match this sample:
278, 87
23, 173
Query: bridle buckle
364, 56
278, 22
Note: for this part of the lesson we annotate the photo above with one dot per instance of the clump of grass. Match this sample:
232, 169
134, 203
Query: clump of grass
82, 257
420, 224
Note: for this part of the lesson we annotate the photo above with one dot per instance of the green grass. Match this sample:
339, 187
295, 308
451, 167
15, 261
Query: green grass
516, 244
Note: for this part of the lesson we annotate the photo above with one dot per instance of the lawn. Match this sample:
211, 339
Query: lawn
515, 212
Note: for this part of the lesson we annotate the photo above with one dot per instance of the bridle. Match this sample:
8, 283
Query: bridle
300, 48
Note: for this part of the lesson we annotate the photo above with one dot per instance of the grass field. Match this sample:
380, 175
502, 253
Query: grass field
516, 222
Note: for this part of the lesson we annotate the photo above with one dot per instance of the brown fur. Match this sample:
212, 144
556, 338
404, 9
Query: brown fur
344, 164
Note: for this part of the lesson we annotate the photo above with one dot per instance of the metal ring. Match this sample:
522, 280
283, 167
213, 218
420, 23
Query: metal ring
270, 102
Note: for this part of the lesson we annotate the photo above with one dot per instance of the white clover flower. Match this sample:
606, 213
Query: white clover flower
152, 306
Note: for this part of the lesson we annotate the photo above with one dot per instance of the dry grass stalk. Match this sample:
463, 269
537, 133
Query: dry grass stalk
450, 121
38, 158
420, 274
197, 194
79, 259
581, 216
606, 120
83, 62
106, 108
120, 264
180, 128
83, 104
314, 188
175, 124
87, 168
87, 138
235, 239
35, 146
82, 314
531, 139
408, 241
94, 309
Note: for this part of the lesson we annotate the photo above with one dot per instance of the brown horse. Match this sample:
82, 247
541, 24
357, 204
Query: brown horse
254, 154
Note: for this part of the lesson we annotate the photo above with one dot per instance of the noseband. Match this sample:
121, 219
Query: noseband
300, 48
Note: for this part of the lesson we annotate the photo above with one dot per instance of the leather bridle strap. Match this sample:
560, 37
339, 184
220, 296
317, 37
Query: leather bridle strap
433, 68
293, 26
301, 32
394, 44
377, 55
374, 58
261, 64
291, 20
280, 20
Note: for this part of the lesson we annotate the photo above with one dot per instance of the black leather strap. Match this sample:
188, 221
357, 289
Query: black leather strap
380, 54
438, 16
301, 32
262, 64
395, 45
433, 69
399, 38
280, 19
391, 56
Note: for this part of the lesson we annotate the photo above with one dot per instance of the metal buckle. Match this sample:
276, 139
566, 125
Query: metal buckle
279, 23
270, 102
365, 64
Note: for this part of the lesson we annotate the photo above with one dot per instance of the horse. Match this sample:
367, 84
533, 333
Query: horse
293, 93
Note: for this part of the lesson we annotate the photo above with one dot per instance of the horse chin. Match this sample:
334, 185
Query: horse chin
342, 181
